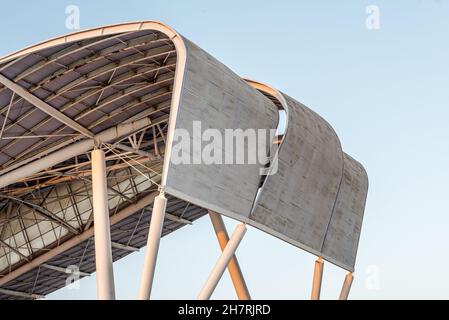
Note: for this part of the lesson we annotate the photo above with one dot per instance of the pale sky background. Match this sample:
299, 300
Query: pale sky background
386, 93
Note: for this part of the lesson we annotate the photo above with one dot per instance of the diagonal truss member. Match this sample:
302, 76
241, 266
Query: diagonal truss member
45, 107
43, 212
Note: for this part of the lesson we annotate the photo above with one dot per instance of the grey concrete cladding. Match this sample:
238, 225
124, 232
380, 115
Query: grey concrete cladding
220, 99
315, 201
297, 201
342, 236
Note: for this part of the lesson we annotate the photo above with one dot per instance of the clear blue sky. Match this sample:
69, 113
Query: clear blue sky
386, 92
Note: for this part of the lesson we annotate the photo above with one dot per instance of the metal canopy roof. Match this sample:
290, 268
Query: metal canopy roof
60, 94
116, 88
96, 83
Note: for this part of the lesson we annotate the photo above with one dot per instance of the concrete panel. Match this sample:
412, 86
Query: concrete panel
220, 99
297, 202
343, 234
316, 201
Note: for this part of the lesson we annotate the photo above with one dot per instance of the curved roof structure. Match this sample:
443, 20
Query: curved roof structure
317, 184
127, 89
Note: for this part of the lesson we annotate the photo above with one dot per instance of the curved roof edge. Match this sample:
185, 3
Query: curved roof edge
173, 35
93, 32
333, 257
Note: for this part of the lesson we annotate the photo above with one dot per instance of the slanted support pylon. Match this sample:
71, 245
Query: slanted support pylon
154, 237
317, 278
222, 263
346, 286
233, 267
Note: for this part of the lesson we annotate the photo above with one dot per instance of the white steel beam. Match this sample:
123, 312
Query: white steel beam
120, 246
63, 270
154, 237
133, 150
233, 267
7, 114
45, 107
21, 294
222, 263
102, 228
71, 151
174, 218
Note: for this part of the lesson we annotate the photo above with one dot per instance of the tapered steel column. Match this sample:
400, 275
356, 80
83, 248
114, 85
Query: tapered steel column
222, 263
102, 230
233, 267
154, 237
317, 278
346, 286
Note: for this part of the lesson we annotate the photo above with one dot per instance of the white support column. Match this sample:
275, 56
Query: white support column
154, 237
233, 267
222, 263
317, 278
346, 286
102, 230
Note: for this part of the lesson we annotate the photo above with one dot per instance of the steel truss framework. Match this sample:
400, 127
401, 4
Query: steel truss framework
86, 121
82, 88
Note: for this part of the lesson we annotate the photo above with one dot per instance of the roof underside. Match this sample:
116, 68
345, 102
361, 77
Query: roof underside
131, 232
98, 83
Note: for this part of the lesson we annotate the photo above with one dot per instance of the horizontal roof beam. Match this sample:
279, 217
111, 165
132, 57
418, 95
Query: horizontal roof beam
45, 107
21, 294
174, 218
74, 149
132, 150
64, 270
120, 246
